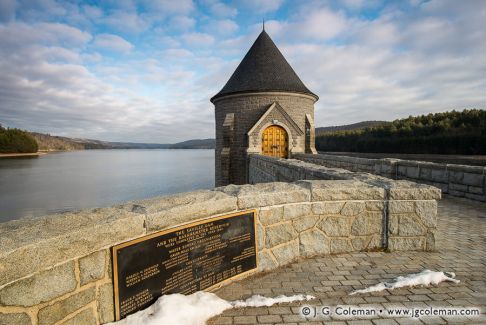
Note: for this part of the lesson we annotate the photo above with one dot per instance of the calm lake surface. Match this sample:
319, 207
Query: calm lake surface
67, 181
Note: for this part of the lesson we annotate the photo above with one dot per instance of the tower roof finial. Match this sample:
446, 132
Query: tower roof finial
263, 24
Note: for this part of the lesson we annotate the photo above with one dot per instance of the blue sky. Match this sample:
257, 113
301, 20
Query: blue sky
143, 71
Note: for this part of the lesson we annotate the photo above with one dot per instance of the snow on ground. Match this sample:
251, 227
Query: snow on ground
261, 301
197, 308
425, 278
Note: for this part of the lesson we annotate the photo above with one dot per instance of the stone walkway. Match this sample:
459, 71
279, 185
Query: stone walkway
461, 248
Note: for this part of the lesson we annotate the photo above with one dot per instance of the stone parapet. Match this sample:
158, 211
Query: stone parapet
456, 180
58, 270
408, 209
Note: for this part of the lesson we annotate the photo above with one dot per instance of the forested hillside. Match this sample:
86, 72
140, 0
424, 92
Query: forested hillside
349, 127
440, 133
48, 142
195, 144
16, 141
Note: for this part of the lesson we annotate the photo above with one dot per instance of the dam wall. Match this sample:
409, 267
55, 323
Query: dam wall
58, 269
456, 180
407, 210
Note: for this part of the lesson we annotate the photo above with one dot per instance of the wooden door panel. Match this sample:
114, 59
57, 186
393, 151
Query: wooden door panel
275, 142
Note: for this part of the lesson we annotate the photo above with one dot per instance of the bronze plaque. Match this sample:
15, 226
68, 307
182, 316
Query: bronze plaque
183, 260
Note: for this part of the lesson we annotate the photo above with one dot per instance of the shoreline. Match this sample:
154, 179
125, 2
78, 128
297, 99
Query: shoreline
45, 152
27, 154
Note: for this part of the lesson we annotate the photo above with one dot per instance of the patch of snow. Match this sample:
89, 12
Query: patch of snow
425, 278
197, 308
260, 301
179, 309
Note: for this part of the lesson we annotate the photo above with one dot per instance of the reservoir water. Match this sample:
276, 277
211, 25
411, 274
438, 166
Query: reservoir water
66, 181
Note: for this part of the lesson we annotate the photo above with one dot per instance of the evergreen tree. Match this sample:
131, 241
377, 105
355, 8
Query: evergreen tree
440, 133
16, 141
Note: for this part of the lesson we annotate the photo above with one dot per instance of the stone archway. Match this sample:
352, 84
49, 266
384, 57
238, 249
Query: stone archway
275, 142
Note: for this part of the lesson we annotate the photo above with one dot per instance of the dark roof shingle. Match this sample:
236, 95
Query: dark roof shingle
263, 68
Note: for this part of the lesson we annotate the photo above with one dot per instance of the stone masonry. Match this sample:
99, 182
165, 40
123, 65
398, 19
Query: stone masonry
246, 111
57, 269
456, 180
460, 248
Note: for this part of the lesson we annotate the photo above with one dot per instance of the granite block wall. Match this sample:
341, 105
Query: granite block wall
456, 180
57, 269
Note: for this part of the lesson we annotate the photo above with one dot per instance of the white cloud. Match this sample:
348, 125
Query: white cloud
162, 40
91, 57
354, 4
360, 83
405, 61
112, 43
7, 10
399, 64
220, 9
164, 8
428, 33
177, 53
14, 36
375, 33
322, 24
318, 24
35, 10
237, 46
126, 22
261, 7
45, 87
182, 22
67, 99
92, 12
198, 39
221, 27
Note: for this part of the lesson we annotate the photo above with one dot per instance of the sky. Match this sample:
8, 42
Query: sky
144, 71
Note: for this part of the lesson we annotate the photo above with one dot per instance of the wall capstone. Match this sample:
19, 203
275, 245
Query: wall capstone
456, 180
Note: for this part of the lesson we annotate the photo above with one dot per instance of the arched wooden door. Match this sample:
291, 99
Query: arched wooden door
275, 142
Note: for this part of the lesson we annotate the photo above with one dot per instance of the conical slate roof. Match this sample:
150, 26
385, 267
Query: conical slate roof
263, 68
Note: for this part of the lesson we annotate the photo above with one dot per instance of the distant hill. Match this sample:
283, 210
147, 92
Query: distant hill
350, 127
135, 145
447, 133
49, 142
195, 144
189, 144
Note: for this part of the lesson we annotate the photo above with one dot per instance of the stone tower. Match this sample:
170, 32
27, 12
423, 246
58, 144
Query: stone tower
264, 108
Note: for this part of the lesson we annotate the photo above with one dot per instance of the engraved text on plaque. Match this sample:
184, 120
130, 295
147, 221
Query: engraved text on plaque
182, 260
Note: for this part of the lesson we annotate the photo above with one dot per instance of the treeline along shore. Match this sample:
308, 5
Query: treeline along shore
440, 133
14, 142
17, 141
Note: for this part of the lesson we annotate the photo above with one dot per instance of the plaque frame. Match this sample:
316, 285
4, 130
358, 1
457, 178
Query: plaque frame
115, 248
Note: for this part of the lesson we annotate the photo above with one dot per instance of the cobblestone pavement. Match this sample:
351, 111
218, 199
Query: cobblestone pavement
461, 248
